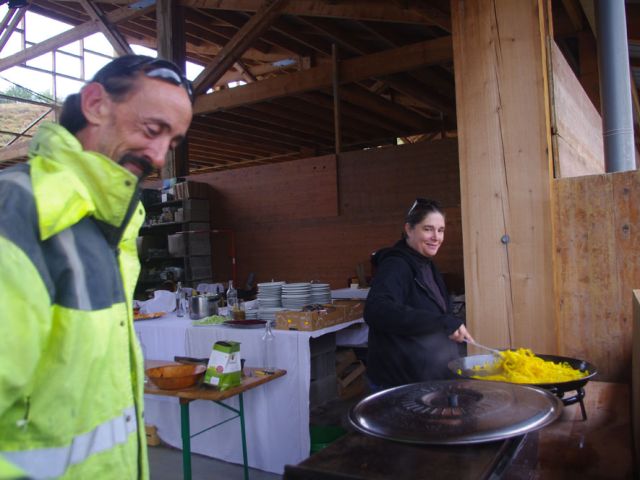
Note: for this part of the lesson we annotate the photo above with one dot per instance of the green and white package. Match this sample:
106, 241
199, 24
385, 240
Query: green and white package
223, 370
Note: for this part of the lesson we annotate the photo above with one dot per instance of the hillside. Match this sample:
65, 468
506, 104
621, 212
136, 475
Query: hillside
16, 117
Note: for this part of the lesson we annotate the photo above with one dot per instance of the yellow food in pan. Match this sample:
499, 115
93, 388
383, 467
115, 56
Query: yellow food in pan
522, 366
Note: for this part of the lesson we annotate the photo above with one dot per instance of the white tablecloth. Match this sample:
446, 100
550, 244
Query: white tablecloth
276, 414
348, 293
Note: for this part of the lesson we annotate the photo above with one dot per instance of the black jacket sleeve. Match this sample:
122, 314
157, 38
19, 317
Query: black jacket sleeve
398, 304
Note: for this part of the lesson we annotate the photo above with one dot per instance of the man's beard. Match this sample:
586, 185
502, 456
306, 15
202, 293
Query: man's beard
141, 163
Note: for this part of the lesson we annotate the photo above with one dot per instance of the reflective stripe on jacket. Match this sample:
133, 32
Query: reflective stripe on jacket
70, 367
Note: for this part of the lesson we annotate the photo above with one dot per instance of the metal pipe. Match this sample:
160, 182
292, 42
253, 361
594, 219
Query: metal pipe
615, 88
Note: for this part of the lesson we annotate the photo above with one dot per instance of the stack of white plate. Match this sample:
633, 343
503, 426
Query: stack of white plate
268, 313
320, 293
251, 314
270, 294
296, 295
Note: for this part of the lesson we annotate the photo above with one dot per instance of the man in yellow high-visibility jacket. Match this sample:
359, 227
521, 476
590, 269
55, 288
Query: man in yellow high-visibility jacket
71, 379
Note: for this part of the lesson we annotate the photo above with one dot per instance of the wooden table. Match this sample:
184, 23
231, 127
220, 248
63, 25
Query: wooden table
251, 379
571, 447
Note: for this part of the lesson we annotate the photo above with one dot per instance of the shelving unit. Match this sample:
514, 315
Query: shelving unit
175, 250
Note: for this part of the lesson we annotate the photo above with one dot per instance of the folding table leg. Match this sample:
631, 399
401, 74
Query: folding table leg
244, 438
186, 439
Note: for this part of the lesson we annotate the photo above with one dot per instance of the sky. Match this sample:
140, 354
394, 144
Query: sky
39, 28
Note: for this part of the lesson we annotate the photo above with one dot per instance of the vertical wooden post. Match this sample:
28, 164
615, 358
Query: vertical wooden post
171, 46
635, 379
505, 171
336, 98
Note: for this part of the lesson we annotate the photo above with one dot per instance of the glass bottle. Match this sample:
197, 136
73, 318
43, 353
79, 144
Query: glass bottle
268, 349
179, 302
232, 300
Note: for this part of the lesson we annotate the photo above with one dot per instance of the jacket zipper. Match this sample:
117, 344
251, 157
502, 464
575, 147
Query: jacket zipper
24, 422
430, 294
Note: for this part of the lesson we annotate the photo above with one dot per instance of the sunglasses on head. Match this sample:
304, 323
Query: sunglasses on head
168, 71
419, 202
150, 67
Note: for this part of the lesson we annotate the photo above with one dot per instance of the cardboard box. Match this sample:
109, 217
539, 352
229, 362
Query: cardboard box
308, 321
224, 367
354, 309
191, 189
151, 431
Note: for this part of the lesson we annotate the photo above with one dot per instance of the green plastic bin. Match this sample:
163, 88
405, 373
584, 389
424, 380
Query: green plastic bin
323, 435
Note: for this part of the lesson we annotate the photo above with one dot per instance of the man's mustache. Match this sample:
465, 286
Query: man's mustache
141, 162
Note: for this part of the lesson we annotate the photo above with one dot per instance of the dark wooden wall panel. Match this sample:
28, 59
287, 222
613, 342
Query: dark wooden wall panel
275, 193
317, 219
386, 181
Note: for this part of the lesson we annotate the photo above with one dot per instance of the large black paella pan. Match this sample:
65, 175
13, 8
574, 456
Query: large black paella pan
464, 368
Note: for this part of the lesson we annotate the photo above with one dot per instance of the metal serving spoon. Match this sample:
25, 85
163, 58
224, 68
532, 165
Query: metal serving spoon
479, 345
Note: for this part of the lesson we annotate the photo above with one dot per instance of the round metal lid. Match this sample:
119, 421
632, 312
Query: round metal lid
450, 412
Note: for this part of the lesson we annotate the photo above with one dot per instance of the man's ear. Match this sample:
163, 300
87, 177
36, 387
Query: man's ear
95, 103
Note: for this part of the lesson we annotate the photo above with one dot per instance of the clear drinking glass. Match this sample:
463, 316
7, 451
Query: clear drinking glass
239, 312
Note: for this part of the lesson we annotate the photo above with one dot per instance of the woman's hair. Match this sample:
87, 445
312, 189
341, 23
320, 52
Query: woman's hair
420, 209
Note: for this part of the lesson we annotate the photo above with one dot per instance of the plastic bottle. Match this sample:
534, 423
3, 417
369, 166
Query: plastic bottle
179, 302
268, 350
232, 299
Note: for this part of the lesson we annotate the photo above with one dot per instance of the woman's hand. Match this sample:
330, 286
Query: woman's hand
461, 335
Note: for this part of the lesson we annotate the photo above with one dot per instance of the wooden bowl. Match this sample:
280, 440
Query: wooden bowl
175, 377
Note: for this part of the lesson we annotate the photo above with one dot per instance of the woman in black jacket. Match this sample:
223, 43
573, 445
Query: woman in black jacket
412, 333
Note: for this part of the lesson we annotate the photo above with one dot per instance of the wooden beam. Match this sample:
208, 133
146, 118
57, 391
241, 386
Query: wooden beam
116, 40
385, 108
209, 49
421, 95
171, 46
430, 14
366, 124
241, 41
402, 59
371, 10
11, 19
245, 72
574, 11
589, 10
316, 108
336, 99
76, 33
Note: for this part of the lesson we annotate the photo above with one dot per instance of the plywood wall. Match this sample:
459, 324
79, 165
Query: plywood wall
318, 218
505, 171
596, 248
577, 124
